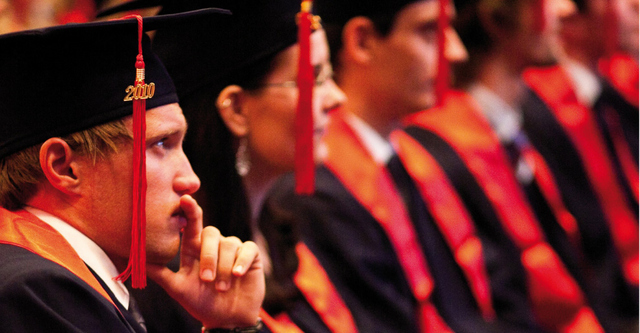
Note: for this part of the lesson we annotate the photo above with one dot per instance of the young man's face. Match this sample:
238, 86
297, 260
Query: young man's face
169, 177
406, 60
536, 39
626, 12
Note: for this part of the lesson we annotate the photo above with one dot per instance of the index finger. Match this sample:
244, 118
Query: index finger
192, 231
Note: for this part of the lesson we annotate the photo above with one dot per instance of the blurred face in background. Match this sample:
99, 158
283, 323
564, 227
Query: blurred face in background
601, 26
626, 13
270, 110
405, 61
536, 37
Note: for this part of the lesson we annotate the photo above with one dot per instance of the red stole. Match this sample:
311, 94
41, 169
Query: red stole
279, 324
622, 72
555, 88
314, 284
557, 299
24, 230
449, 214
372, 185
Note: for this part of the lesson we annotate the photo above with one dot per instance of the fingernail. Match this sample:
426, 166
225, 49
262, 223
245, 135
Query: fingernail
207, 275
222, 285
238, 269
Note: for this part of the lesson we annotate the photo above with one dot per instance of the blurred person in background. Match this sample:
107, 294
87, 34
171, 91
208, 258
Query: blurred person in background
584, 128
239, 93
477, 136
392, 235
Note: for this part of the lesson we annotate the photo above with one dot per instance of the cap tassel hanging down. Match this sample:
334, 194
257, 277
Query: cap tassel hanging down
611, 29
304, 163
442, 78
138, 93
540, 18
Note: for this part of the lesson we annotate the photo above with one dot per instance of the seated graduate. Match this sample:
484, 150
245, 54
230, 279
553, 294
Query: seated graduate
237, 82
76, 145
402, 250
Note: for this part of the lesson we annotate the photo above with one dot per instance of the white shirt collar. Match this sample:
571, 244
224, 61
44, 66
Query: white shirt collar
585, 82
377, 146
505, 120
89, 252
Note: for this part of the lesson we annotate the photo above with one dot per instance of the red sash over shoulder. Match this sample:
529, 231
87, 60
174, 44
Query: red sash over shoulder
578, 121
315, 285
450, 216
372, 185
279, 324
557, 299
24, 230
622, 72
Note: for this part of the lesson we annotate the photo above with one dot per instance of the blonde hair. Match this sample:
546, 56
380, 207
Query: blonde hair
20, 173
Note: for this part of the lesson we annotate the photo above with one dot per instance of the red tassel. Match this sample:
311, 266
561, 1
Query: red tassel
304, 164
540, 18
136, 267
442, 78
611, 29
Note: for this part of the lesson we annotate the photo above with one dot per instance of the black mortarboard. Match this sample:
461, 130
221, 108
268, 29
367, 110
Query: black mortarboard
257, 30
195, 57
64, 79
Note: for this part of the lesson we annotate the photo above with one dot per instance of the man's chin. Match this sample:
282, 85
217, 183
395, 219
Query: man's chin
164, 258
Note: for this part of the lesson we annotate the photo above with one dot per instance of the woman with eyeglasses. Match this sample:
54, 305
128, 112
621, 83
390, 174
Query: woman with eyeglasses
237, 83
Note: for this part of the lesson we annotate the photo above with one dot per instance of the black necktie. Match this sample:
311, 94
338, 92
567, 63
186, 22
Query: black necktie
408, 190
127, 315
515, 148
135, 312
402, 180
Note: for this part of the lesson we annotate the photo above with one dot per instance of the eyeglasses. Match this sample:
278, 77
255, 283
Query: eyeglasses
323, 75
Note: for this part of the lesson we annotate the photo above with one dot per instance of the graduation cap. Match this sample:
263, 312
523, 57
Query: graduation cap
64, 79
197, 58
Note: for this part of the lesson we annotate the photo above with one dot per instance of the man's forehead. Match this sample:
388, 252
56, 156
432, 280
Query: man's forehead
425, 10
165, 119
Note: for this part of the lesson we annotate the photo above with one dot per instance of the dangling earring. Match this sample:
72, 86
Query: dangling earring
243, 164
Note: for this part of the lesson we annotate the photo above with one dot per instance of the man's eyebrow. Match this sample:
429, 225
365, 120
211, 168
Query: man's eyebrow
429, 25
317, 69
168, 132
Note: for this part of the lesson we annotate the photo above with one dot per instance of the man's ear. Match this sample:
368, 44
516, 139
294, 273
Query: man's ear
229, 104
59, 164
358, 39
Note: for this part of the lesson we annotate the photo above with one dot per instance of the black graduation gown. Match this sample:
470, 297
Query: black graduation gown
38, 295
361, 262
613, 300
628, 115
502, 257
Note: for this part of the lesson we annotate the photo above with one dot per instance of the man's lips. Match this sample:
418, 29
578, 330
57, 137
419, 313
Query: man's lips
180, 216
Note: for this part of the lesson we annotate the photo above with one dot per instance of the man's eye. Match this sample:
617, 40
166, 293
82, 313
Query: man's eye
160, 144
